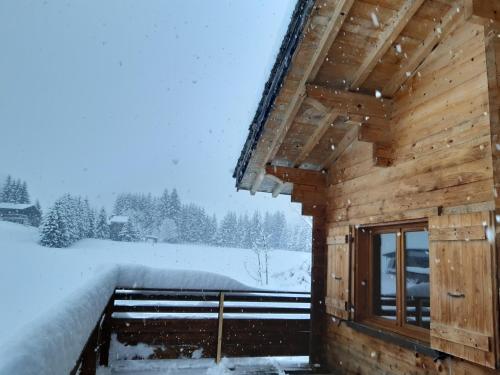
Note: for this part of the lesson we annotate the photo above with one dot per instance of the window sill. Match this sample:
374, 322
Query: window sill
393, 338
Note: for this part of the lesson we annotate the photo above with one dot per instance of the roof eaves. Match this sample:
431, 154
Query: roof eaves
271, 90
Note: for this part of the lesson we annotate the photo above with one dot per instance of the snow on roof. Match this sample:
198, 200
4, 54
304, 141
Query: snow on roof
118, 219
15, 206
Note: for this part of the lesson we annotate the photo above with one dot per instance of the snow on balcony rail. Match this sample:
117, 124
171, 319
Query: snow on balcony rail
53, 343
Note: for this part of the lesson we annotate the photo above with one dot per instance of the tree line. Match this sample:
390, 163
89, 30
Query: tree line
14, 191
167, 219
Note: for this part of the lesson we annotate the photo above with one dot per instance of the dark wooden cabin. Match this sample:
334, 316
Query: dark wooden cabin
27, 214
382, 118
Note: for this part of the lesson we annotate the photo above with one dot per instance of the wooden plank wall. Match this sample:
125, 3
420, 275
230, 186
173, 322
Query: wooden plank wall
442, 158
442, 150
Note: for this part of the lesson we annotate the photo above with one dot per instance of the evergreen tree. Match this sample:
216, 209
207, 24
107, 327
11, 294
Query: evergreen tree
53, 232
23, 194
17, 187
101, 225
211, 230
168, 231
175, 206
69, 220
277, 230
164, 206
128, 233
6, 190
228, 234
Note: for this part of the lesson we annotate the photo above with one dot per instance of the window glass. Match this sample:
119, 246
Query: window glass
385, 275
417, 291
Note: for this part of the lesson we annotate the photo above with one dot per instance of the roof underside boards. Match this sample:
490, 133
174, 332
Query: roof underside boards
352, 57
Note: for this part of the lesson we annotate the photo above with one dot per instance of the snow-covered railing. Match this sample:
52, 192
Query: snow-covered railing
213, 322
178, 323
52, 343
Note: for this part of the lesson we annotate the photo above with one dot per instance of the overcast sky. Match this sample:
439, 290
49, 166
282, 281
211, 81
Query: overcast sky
99, 97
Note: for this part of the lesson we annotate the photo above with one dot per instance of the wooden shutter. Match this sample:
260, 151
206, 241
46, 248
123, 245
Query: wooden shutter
338, 271
462, 279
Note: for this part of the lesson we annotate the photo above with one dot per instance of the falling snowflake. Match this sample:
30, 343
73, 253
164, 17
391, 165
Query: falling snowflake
375, 20
378, 94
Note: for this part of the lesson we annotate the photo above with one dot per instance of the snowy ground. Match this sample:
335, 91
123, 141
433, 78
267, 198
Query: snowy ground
34, 280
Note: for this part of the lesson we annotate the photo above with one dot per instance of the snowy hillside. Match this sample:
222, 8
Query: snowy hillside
35, 279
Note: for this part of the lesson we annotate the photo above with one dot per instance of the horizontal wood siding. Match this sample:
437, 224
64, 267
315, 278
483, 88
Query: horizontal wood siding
441, 142
442, 160
352, 352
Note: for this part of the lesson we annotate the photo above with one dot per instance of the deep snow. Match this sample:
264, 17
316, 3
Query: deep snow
45, 290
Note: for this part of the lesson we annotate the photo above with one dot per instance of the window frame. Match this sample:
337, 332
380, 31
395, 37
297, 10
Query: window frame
364, 278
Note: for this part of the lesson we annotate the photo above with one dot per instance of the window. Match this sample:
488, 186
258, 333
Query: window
392, 278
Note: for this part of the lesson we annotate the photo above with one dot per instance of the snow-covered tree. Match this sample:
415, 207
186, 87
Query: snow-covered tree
6, 188
175, 206
128, 233
14, 191
23, 194
53, 232
168, 231
101, 225
68, 220
228, 231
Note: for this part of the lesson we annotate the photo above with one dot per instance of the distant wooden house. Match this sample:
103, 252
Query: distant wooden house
383, 119
116, 223
27, 214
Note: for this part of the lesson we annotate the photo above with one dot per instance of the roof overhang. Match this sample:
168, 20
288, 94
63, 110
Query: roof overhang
341, 64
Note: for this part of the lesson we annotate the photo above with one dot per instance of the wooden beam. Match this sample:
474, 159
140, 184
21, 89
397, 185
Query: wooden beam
316, 104
396, 24
375, 131
485, 12
278, 188
329, 35
349, 137
350, 103
315, 138
258, 180
297, 176
454, 17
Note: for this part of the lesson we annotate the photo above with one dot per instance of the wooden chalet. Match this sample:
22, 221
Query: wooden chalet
382, 118
27, 214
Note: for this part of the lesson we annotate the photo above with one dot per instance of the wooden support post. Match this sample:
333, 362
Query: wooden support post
89, 356
105, 333
318, 277
219, 328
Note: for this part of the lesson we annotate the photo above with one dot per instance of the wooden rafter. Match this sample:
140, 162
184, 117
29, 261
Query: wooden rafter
315, 137
448, 23
385, 40
297, 176
316, 104
329, 34
257, 181
349, 137
350, 103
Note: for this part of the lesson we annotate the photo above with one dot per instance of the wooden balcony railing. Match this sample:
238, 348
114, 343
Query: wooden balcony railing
201, 323
417, 310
